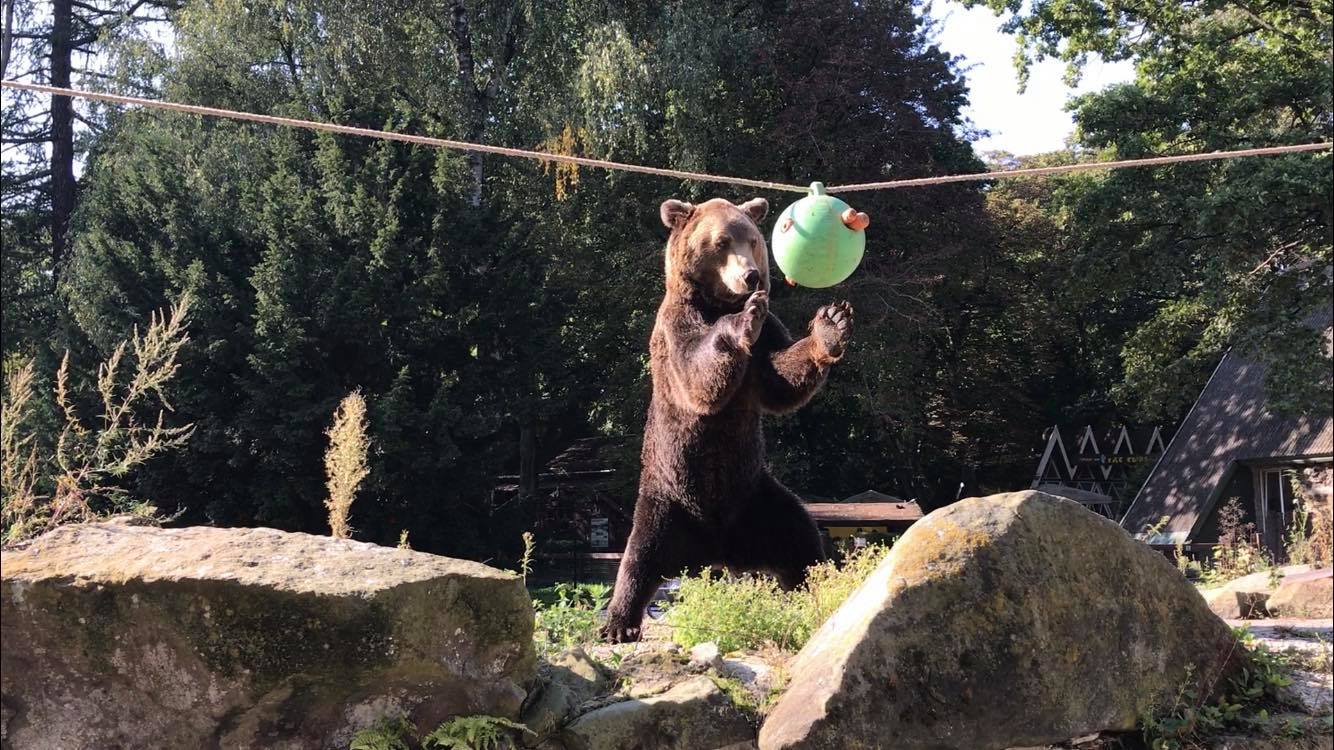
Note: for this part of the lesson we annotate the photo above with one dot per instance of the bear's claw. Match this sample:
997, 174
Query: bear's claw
620, 633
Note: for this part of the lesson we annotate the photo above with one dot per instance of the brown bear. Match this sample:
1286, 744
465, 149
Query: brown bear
720, 361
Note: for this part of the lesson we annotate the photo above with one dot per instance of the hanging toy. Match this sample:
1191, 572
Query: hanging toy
819, 240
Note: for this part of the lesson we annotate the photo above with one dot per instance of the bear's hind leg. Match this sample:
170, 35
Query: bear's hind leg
663, 541
775, 534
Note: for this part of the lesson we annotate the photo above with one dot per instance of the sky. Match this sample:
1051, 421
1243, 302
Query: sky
1028, 123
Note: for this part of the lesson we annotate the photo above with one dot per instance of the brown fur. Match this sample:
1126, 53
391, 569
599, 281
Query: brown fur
720, 361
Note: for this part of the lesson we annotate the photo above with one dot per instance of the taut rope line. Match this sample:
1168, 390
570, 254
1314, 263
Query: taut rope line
327, 127
1084, 167
679, 174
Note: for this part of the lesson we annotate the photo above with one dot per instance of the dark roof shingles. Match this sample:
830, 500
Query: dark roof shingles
1229, 423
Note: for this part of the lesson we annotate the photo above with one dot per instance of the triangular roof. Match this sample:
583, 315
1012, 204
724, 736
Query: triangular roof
871, 496
1230, 422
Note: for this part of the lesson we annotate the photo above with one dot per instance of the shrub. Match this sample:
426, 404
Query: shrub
75, 475
1244, 703
1309, 537
740, 612
474, 733
1237, 554
345, 461
567, 614
749, 611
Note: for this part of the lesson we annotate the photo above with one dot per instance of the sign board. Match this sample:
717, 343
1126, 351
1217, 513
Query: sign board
599, 536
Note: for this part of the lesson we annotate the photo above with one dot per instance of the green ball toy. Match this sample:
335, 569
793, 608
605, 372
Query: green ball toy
819, 240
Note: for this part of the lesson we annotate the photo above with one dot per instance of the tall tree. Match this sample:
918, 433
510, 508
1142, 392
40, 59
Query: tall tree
44, 138
1188, 260
487, 314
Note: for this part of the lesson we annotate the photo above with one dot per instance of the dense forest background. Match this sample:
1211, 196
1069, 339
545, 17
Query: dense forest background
492, 311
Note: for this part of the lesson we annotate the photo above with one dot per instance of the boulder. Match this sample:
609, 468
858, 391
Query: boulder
1006, 621
694, 715
128, 636
1309, 595
1247, 598
1236, 605
567, 681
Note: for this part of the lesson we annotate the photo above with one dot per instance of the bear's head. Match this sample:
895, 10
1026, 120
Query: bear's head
716, 249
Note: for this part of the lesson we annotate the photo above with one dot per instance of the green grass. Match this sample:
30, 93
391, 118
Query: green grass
567, 614
747, 612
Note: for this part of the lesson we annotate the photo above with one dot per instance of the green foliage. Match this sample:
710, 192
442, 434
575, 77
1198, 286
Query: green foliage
386, 734
474, 733
1243, 704
473, 298
1237, 553
460, 733
750, 611
567, 614
1190, 260
742, 612
1308, 539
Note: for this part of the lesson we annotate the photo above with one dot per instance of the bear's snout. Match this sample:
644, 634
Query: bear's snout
752, 280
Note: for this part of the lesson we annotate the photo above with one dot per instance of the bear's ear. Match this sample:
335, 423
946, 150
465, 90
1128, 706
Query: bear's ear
756, 209
674, 213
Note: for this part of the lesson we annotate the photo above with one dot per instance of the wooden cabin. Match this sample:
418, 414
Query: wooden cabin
1233, 445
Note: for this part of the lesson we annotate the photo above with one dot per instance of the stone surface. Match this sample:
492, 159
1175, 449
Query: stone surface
1246, 598
694, 715
1315, 740
1236, 605
566, 682
1309, 594
755, 674
1007, 621
705, 655
128, 636
1311, 692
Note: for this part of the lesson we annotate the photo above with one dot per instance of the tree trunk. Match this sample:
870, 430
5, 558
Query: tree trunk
527, 461
62, 132
476, 97
7, 38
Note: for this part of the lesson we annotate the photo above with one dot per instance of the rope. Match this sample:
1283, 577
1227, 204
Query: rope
1083, 167
679, 174
328, 127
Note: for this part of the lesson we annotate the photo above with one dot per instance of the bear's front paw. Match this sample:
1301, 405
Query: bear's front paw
750, 321
832, 328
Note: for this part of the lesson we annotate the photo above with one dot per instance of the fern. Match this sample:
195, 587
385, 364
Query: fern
386, 734
473, 733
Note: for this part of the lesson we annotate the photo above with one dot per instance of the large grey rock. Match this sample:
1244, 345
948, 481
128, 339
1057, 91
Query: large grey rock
129, 636
1012, 620
694, 715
